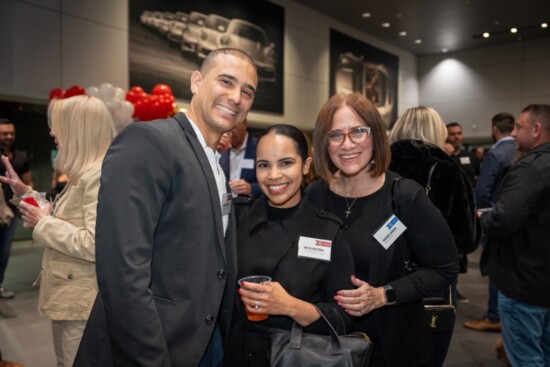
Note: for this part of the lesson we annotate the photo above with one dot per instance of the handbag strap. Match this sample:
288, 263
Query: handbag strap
297, 332
405, 250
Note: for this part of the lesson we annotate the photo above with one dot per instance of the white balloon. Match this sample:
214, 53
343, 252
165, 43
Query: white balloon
106, 92
120, 94
113, 105
92, 91
126, 109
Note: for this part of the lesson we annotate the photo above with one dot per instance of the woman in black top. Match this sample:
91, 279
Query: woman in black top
351, 155
273, 236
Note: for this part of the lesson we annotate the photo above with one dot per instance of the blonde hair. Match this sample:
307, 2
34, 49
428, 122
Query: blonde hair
84, 129
420, 123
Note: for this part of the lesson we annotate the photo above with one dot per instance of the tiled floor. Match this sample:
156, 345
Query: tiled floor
25, 337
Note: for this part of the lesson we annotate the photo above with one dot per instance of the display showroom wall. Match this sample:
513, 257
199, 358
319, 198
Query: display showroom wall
60, 43
472, 86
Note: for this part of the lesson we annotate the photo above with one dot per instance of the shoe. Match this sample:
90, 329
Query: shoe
461, 298
501, 352
483, 325
4, 293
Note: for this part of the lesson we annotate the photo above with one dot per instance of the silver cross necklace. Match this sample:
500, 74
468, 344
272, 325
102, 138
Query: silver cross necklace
348, 212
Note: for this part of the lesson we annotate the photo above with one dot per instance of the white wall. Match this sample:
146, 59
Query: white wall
472, 86
60, 43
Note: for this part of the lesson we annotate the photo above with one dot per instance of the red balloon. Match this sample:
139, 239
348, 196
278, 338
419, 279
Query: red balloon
75, 90
161, 89
138, 90
56, 93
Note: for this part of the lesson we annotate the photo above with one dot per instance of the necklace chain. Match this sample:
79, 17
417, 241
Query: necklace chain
348, 212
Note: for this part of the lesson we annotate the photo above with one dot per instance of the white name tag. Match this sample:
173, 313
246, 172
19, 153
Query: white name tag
465, 160
314, 248
247, 163
390, 231
226, 203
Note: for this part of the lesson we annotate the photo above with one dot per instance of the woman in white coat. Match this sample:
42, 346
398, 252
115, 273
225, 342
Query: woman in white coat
83, 130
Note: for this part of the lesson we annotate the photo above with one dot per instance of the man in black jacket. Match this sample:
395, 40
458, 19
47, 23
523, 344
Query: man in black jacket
519, 227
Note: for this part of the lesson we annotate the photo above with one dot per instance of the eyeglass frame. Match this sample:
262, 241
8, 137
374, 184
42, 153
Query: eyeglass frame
348, 134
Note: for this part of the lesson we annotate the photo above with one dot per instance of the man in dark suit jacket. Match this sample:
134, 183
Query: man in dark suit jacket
495, 164
165, 235
239, 162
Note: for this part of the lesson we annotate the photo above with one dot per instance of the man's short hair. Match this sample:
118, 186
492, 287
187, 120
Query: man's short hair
504, 122
208, 61
453, 124
539, 112
5, 121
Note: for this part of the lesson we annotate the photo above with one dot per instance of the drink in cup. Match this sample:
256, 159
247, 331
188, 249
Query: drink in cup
259, 279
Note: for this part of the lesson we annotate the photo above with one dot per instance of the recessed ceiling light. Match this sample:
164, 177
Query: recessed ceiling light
402, 33
385, 25
544, 25
365, 15
514, 30
486, 35
418, 41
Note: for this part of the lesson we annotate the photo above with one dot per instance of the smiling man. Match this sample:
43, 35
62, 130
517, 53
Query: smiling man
165, 235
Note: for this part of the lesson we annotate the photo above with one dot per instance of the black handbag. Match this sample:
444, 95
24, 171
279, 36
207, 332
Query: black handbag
288, 348
440, 314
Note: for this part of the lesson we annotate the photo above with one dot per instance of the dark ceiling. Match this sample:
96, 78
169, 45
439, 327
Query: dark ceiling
441, 24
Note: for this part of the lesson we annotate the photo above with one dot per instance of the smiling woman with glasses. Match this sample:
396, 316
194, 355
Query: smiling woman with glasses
351, 156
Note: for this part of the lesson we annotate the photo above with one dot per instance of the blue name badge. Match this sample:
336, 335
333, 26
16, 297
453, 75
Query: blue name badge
390, 231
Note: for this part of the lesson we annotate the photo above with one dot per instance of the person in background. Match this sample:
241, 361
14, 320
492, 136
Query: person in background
518, 228
470, 164
20, 163
466, 159
238, 162
82, 128
166, 250
272, 233
352, 155
496, 163
417, 140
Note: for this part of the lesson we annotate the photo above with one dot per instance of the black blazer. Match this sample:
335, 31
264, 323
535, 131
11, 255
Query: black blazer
166, 274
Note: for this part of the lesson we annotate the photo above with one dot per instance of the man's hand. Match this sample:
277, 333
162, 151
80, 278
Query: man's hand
240, 187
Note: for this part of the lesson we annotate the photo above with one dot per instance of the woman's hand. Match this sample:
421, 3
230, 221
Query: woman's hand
12, 179
362, 300
32, 214
271, 298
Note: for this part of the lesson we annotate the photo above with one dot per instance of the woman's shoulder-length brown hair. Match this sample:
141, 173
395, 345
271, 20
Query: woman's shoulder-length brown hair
371, 117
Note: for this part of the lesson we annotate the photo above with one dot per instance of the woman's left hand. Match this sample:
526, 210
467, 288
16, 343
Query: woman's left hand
362, 300
32, 214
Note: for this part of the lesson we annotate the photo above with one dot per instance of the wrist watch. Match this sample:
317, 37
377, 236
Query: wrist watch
389, 295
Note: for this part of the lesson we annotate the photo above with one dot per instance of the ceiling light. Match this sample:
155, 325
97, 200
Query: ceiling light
514, 30
486, 35
365, 15
444, 50
544, 25
418, 41
385, 25
402, 33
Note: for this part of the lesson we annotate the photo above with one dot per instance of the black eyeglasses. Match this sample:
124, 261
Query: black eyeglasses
357, 135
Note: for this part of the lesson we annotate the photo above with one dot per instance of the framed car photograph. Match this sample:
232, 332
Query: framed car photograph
359, 67
170, 38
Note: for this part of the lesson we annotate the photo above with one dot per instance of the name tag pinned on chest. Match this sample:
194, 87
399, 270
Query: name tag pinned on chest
465, 160
390, 231
226, 203
314, 248
247, 163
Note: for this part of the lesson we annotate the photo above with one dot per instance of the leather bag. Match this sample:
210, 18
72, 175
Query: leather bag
296, 348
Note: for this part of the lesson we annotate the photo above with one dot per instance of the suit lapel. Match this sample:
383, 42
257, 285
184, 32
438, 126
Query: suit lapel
210, 179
